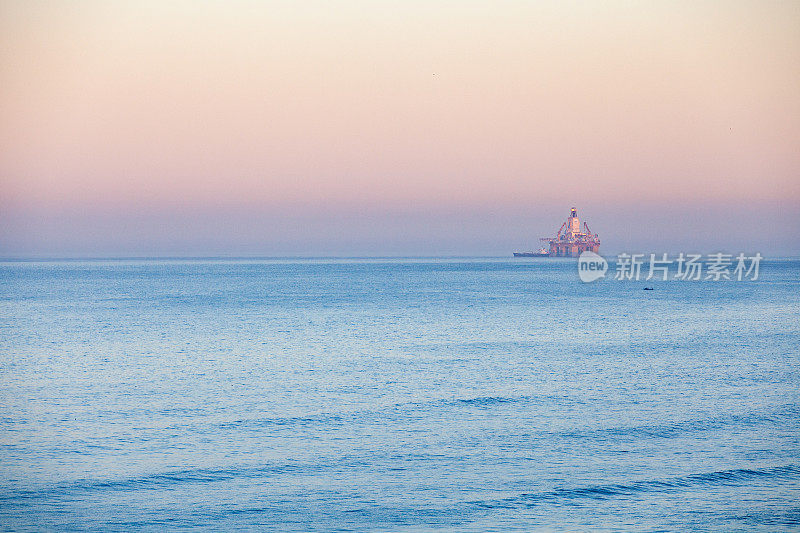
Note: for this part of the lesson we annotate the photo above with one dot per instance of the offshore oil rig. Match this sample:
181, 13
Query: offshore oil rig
570, 241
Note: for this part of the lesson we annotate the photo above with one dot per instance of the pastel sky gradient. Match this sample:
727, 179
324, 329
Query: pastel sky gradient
396, 127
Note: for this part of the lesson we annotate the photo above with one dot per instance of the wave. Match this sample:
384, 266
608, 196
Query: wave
778, 415
289, 421
775, 416
488, 400
162, 480
603, 492
772, 517
168, 480
375, 414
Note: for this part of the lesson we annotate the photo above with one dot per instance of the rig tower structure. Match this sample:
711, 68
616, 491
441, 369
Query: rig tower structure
571, 239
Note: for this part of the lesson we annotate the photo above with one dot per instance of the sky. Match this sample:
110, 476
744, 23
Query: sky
370, 128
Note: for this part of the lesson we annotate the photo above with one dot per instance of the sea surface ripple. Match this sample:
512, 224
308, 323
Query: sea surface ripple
474, 394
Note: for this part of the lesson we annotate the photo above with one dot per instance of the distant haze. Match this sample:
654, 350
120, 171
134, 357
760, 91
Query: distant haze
396, 128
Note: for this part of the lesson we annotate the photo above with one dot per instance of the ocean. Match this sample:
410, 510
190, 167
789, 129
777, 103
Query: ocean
441, 394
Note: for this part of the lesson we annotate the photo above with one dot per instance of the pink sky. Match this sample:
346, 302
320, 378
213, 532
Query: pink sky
395, 127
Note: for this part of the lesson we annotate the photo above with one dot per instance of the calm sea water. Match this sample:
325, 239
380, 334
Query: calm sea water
395, 395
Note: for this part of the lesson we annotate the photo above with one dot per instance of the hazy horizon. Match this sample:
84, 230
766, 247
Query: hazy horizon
396, 128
